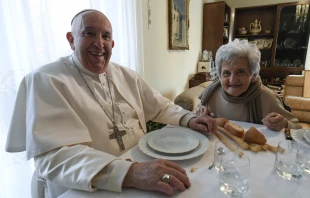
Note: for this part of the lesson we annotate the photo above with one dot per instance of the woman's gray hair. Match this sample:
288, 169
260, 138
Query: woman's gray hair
238, 49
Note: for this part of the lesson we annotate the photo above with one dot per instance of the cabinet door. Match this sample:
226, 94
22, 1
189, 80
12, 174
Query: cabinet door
216, 22
293, 35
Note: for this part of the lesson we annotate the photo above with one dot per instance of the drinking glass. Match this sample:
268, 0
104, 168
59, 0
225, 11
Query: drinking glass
307, 158
219, 149
234, 174
290, 160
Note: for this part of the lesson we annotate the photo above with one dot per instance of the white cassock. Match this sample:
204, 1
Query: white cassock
58, 122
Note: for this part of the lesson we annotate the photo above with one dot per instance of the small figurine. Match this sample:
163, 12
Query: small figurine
206, 56
255, 27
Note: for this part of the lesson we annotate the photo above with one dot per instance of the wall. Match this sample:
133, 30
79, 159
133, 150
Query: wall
167, 70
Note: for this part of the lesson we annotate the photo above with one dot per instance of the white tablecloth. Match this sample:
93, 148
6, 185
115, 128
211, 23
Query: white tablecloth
205, 183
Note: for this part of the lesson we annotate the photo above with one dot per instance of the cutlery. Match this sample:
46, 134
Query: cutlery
287, 133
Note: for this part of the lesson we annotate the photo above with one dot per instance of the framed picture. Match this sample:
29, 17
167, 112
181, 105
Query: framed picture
260, 43
178, 24
268, 43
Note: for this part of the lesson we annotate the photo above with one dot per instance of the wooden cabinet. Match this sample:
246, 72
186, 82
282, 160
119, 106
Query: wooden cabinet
216, 22
193, 83
283, 39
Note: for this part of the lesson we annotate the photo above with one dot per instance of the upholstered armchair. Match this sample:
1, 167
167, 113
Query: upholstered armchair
293, 96
189, 99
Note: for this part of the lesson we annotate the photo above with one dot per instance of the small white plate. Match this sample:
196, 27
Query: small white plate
307, 136
298, 136
173, 141
201, 149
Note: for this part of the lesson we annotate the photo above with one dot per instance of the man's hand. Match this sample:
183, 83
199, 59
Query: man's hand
275, 121
204, 122
147, 176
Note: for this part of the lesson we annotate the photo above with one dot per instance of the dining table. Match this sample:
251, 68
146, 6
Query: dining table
205, 182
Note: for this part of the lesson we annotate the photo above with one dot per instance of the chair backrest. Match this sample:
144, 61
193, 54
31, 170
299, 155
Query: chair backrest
294, 85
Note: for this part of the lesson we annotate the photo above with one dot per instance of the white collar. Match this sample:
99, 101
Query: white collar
75, 61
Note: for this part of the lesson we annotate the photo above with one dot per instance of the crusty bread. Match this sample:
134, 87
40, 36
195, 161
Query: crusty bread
234, 129
221, 121
254, 136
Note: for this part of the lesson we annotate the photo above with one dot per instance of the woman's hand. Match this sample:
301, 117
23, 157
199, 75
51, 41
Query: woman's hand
275, 121
147, 176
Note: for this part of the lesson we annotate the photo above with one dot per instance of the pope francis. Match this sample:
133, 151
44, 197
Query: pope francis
75, 117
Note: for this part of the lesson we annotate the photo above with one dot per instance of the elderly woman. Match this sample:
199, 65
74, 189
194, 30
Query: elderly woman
239, 94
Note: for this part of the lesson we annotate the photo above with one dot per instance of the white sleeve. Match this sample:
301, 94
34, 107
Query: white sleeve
81, 167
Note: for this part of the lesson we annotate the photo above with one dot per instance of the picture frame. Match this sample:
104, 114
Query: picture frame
260, 43
268, 43
178, 14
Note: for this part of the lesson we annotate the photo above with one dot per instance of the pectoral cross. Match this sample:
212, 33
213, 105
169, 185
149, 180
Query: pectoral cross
118, 136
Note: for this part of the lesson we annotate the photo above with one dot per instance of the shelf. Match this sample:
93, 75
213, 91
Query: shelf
251, 35
291, 49
274, 82
274, 68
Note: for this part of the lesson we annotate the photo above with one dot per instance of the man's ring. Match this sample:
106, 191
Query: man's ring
166, 178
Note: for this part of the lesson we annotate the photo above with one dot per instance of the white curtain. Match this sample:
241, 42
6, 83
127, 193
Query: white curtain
32, 33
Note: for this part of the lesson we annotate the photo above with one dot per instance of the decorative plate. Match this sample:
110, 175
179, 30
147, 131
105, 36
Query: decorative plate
286, 63
290, 43
176, 140
297, 63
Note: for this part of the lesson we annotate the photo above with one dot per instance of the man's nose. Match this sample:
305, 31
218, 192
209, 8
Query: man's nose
99, 42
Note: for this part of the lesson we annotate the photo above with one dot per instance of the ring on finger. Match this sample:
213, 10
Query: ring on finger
166, 178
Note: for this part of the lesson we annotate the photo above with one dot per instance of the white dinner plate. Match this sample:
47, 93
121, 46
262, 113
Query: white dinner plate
298, 136
201, 148
173, 141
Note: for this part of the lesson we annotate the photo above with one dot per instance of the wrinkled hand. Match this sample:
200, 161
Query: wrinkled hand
275, 121
147, 176
204, 122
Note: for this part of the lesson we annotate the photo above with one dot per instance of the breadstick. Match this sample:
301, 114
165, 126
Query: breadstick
274, 148
264, 147
227, 143
255, 147
239, 141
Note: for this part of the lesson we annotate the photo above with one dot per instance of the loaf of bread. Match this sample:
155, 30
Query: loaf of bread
254, 136
221, 121
234, 129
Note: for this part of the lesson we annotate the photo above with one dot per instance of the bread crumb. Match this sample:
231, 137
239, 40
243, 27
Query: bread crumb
193, 169
129, 160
